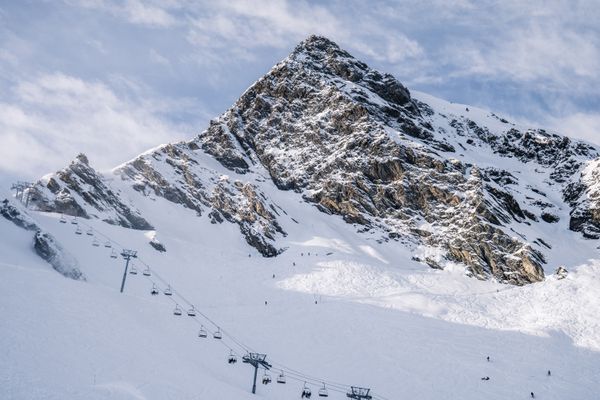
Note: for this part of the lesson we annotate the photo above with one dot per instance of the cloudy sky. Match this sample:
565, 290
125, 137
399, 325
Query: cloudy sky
113, 78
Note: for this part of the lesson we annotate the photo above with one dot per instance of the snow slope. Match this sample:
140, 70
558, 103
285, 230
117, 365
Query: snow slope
380, 321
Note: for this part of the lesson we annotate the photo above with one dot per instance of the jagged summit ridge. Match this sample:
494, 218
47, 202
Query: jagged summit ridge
355, 143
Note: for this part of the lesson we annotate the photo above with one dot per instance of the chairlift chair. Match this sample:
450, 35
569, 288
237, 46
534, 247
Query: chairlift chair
218, 334
95, 243
191, 312
306, 393
177, 311
281, 378
107, 244
90, 232
266, 379
78, 230
154, 290
133, 270
63, 220
147, 272
168, 291
232, 359
74, 221
323, 392
113, 254
202, 332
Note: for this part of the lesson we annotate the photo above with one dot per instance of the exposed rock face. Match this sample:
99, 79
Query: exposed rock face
50, 250
583, 195
80, 191
44, 244
355, 143
175, 172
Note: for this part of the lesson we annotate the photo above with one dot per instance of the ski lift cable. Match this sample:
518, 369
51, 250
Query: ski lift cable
292, 373
299, 375
194, 318
189, 303
316, 381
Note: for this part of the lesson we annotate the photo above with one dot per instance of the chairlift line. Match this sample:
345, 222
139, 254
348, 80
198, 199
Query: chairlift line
351, 392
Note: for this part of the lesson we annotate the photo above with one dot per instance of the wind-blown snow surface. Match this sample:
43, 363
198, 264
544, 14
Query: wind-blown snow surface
380, 321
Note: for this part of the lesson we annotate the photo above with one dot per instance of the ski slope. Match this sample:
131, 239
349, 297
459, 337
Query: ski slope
380, 320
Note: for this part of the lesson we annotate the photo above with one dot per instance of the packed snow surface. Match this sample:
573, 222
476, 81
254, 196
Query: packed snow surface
340, 308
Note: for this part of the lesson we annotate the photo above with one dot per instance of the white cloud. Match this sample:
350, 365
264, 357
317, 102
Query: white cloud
57, 116
135, 11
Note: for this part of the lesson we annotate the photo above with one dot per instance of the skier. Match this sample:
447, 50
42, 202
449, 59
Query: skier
485, 378
549, 373
265, 302
488, 358
273, 276
294, 263
532, 395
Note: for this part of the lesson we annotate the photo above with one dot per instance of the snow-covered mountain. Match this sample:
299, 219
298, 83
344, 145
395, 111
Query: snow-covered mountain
467, 185
331, 219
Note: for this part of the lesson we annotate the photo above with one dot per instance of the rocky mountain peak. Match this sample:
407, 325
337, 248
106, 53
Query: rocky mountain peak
321, 55
468, 186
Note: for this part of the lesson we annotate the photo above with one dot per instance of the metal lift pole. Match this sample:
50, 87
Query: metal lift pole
127, 255
254, 383
256, 360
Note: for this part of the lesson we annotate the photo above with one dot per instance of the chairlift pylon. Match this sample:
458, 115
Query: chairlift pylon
177, 311
168, 291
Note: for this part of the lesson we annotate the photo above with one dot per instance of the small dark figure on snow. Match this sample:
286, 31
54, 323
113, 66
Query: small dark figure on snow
273, 276
549, 373
294, 263
532, 395
488, 358
265, 302
485, 378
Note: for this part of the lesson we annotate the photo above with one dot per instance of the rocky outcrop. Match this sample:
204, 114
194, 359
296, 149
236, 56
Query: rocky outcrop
80, 191
44, 244
176, 172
